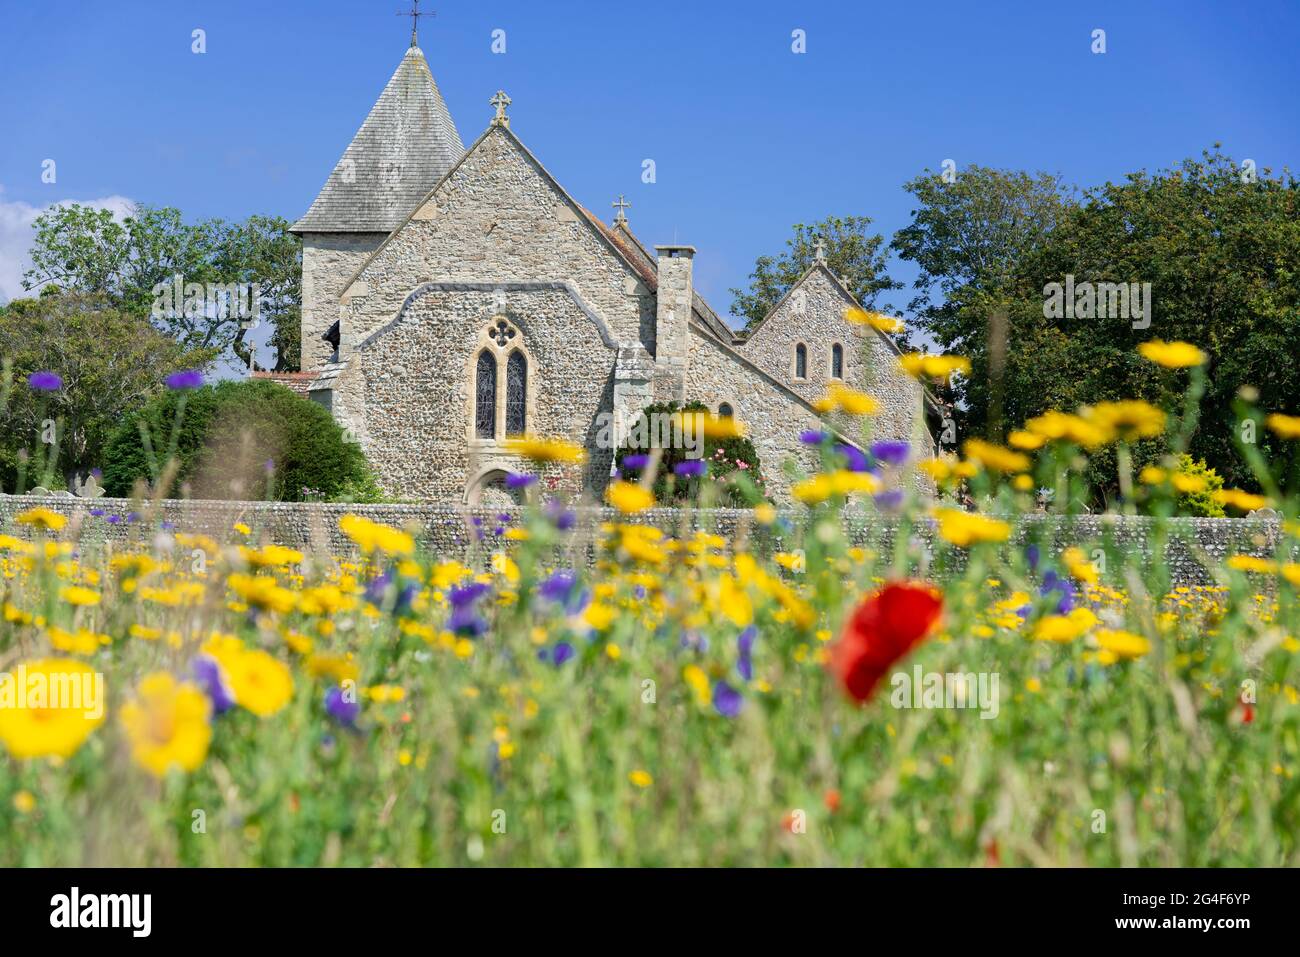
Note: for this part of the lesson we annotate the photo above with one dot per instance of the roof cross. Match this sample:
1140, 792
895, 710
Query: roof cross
500, 101
819, 250
415, 14
621, 205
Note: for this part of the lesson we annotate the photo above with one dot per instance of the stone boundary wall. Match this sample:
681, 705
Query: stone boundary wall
1194, 544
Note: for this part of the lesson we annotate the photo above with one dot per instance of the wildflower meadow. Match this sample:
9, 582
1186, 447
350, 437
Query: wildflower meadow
957, 691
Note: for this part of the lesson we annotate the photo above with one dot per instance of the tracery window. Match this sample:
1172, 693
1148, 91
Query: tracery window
516, 394
485, 396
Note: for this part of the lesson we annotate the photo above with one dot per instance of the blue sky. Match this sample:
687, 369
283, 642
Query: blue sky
747, 136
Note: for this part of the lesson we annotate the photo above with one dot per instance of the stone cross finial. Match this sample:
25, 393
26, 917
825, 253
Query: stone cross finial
415, 14
500, 101
622, 204
819, 250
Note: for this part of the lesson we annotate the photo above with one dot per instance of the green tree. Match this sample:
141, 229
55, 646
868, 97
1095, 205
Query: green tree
249, 440
110, 362
87, 250
851, 251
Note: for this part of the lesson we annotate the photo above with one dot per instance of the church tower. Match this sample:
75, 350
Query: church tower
406, 145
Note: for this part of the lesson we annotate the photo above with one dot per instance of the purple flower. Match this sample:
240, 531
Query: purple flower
185, 379
635, 462
559, 586
210, 678
517, 480
563, 652
746, 644
891, 452
857, 461
45, 381
727, 700
461, 597
1031, 556
1052, 582
338, 707
890, 500
691, 468
561, 517
813, 437
466, 622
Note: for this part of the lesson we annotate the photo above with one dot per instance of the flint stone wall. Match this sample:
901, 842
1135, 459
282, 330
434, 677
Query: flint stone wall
1194, 545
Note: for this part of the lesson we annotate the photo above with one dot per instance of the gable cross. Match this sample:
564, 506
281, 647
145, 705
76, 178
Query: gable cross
622, 204
415, 14
819, 250
500, 101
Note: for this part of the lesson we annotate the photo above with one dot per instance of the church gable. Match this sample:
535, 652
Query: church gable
498, 217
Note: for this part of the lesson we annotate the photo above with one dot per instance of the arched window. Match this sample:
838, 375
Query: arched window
516, 394
485, 396
725, 411
837, 361
801, 361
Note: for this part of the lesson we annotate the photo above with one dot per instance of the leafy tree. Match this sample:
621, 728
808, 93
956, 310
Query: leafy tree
851, 251
731, 464
89, 251
110, 362
248, 440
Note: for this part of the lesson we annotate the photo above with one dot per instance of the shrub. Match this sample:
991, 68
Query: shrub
732, 464
1200, 504
239, 440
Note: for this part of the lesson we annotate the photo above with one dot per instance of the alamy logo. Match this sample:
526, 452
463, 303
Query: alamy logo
178, 299
133, 911
61, 691
1102, 300
936, 690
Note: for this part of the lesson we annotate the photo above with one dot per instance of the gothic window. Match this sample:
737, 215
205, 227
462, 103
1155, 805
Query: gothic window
837, 361
801, 361
485, 396
516, 394
725, 411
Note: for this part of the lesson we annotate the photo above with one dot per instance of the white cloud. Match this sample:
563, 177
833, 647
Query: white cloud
16, 235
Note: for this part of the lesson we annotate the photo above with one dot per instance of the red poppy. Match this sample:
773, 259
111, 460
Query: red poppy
883, 629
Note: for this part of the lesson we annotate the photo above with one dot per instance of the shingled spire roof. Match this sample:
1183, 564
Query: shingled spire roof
405, 146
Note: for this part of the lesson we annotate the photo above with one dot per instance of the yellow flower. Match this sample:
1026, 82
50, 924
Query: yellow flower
629, 497
1023, 483
1250, 563
24, 802
1116, 645
337, 668
540, 449
42, 517
1286, 426
699, 683
1130, 420
734, 601
83, 642
847, 400
876, 320
694, 422
940, 368
1238, 499
1022, 439
1071, 428
964, 529
263, 592
812, 491
47, 707
995, 457
258, 682
1172, 355
242, 529
1152, 475
640, 778
167, 723
383, 694
370, 536
1187, 484
599, 615
764, 513
270, 556
79, 596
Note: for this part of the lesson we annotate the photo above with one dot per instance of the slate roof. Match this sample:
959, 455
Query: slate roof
405, 146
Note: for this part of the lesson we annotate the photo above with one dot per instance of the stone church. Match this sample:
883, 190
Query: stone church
456, 296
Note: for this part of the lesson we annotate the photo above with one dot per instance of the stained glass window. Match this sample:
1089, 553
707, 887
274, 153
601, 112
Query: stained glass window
837, 361
485, 396
800, 361
516, 394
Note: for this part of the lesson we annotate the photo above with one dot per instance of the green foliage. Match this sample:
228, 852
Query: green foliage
1219, 250
733, 467
1201, 503
110, 361
239, 440
86, 250
850, 251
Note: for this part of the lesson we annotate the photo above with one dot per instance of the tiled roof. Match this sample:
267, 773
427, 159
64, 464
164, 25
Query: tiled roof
404, 147
298, 382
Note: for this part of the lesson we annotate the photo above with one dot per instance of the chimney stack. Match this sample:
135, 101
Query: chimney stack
672, 321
